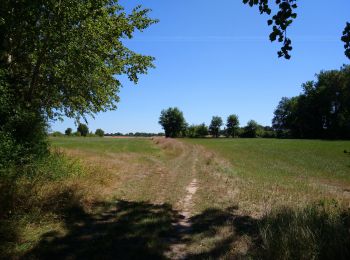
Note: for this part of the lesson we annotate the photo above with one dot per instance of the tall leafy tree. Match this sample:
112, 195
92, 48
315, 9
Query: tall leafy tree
252, 129
68, 131
173, 122
83, 129
215, 125
99, 132
232, 125
322, 110
62, 58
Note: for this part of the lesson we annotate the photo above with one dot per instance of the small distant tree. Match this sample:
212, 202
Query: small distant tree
99, 132
172, 121
68, 131
252, 129
214, 128
232, 125
83, 129
56, 134
202, 130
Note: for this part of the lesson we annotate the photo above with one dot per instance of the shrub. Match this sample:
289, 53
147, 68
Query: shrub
99, 132
31, 193
56, 134
83, 129
197, 131
252, 130
68, 131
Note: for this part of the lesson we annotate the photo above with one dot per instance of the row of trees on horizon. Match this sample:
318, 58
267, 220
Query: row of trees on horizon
82, 130
174, 124
321, 111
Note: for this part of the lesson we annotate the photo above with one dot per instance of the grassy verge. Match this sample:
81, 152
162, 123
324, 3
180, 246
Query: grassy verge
35, 199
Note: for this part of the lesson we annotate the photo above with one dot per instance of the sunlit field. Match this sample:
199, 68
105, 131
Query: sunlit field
194, 198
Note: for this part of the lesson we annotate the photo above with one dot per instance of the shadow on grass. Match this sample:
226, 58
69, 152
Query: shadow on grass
141, 230
219, 231
135, 230
125, 230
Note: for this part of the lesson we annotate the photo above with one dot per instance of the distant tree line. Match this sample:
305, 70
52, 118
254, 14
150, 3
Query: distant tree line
321, 111
175, 125
136, 134
82, 130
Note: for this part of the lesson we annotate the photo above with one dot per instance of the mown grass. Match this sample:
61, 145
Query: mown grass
284, 172
274, 158
99, 145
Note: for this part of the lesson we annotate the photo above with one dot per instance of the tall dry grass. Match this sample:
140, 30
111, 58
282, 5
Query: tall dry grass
316, 231
37, 196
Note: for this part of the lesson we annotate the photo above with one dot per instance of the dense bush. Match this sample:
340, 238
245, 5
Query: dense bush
68, 131
252, 130
33, 192
197, 131
99, 132
57, 134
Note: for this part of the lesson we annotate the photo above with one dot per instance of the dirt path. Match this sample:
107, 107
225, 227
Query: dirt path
189, 158
183, 225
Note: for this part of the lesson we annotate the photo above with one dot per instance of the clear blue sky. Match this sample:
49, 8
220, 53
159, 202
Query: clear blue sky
214, 58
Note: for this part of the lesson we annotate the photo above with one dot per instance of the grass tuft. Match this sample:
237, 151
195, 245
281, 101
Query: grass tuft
317, 231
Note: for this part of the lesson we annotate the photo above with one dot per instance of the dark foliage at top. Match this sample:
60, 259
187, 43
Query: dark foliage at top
283, 18
321, 111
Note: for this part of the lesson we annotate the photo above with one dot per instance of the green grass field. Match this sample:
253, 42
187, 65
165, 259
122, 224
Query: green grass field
106, 145
186, 198
274, 158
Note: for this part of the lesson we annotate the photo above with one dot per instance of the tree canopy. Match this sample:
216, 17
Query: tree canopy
63, 58
252, 129
83, 129
215, 124
68, 131
172, 121
232, 125
321, 111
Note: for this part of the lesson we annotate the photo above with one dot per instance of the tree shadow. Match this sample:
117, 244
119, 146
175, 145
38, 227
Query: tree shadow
226, 229
124, 230
142, 230
136, 230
